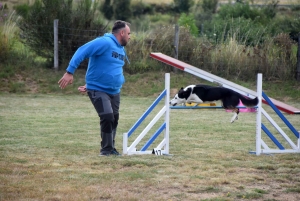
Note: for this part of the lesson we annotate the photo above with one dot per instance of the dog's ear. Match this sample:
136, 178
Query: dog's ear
181, 88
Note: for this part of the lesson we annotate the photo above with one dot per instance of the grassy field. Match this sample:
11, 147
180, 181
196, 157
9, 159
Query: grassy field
50, 144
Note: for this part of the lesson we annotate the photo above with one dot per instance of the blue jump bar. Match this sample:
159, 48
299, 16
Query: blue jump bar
142, 118
154, 136
280, 115
271, 136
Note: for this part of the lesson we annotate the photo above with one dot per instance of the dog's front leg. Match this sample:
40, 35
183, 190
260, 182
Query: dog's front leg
189, 101
235, 116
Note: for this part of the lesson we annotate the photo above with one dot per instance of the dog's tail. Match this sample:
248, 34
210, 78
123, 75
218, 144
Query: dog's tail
249, 102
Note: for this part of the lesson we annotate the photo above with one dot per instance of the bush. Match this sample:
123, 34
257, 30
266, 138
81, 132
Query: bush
183, 6
188, 21
238, 10
3, 13
287, 24
22, 10
210, 6
140, 8
245, 31
37, 26
228, 58
7, 36
244, 10
270, 9
107, 9
4, 47
250, 25
163, 8
122, 10
160, 39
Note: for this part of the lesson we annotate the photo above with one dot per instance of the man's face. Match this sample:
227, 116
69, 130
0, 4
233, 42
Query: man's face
125, 33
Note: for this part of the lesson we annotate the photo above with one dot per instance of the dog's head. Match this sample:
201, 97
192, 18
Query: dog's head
181, 96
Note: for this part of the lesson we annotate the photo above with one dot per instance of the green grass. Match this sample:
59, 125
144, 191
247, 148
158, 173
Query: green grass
49, 144
49, 148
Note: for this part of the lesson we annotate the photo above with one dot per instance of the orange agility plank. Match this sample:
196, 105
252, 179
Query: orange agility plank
283, 107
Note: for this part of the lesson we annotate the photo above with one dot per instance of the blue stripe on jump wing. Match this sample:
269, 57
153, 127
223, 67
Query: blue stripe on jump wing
291, 127
154, 136
272, 137
142, 118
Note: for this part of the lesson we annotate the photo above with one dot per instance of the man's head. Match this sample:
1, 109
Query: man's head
121, 31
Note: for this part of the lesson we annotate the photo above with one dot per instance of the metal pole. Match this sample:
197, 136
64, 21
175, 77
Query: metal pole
125, 143
56, 44
167, 114
258, 115
297, 76
176, 42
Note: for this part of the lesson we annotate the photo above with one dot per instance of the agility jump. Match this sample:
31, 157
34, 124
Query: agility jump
261, 146
163, 147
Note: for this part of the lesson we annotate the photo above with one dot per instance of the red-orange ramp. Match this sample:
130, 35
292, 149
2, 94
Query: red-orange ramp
213, 78
283, 107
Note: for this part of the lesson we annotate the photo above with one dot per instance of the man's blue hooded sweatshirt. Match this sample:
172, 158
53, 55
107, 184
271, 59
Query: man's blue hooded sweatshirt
106, 61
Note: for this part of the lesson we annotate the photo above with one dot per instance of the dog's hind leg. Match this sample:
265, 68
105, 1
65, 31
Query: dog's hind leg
235, 116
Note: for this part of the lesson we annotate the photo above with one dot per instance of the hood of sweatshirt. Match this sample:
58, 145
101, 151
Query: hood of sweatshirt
112, 36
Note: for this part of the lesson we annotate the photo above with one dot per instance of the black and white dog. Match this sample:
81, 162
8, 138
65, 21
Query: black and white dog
205, 93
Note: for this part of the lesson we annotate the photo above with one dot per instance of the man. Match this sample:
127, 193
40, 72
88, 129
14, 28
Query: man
104, 79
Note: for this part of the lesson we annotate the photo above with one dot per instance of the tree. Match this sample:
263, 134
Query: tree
210, 6
122, 10
107, 9
183, 6
188, 21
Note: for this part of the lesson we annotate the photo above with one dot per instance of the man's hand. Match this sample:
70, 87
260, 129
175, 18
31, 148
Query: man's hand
82, 89
65, 80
